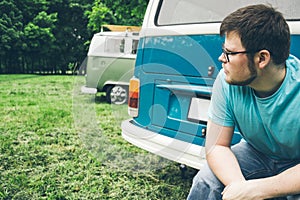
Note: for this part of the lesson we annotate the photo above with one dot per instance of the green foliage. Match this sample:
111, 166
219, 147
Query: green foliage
50, 36
42, 155
100, 15
39, 33
42, 35
44, 20
123, 12
127, 11
10, 26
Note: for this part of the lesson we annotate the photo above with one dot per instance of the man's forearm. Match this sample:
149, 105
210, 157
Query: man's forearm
283, 184
224, 164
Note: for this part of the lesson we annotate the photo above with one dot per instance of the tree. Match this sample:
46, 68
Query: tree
99, 15
131, 14
52, 35
71, 33
10, 36
114, 12
39, 38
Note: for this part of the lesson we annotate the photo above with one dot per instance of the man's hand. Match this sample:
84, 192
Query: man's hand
245, 190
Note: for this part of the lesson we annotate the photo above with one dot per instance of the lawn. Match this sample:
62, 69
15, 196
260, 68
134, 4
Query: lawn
56, 143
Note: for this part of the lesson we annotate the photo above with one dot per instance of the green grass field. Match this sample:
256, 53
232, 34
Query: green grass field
56, 143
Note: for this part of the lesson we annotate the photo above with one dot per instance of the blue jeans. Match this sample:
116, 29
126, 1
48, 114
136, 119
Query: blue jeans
254, 165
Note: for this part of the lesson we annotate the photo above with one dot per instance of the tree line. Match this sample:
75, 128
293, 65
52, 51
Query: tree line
52, 36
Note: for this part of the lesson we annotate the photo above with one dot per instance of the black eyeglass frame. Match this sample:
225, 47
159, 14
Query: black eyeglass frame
227, 53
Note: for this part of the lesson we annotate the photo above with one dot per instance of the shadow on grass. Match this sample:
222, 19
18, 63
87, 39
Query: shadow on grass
100, 97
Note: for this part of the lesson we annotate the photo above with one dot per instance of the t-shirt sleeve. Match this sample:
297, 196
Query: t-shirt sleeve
219, 110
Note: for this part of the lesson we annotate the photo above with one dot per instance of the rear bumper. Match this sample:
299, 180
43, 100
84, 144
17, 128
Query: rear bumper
173, 149
87, 90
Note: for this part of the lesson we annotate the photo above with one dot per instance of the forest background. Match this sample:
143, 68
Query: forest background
53, 36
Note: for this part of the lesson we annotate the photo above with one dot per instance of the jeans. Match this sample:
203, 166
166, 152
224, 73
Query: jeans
254, 165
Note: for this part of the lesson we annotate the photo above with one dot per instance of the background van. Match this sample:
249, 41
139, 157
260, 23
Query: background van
176, 66
110, 62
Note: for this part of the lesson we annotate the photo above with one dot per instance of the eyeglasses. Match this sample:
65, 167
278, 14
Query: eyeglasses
227, 53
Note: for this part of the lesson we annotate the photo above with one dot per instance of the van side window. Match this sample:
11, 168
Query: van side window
114, 45
134, 46
195, 11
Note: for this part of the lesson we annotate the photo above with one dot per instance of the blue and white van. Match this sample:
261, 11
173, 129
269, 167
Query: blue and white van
176, 65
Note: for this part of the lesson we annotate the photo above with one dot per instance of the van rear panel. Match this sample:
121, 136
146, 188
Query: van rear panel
171, 76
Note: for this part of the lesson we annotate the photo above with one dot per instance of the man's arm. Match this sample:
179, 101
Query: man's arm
284, 184
219, 155
225, 166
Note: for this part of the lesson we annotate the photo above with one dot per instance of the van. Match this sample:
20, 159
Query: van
110, 62
176, 66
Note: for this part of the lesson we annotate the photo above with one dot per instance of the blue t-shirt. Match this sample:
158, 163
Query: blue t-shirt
271, 124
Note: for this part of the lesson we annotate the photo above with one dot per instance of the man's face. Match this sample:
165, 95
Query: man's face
239, 69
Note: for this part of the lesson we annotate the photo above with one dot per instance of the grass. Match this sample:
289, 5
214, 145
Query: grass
56, 143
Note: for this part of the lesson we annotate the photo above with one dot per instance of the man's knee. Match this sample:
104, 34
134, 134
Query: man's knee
205, 185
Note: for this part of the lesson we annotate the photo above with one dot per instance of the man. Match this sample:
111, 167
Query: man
257, 92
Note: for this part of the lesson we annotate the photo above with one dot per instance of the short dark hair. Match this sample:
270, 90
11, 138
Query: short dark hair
260, 27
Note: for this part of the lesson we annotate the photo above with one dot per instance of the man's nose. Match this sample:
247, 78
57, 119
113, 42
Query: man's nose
222, 58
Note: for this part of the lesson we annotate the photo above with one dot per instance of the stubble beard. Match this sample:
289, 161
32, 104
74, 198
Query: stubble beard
252, 76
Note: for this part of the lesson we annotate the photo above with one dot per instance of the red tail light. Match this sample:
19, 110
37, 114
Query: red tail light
133, 100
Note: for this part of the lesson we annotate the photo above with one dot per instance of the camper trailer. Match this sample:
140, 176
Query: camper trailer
110, 62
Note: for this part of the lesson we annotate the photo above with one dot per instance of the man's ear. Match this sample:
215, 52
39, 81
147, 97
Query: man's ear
264, 58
